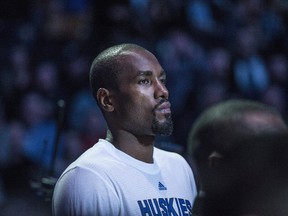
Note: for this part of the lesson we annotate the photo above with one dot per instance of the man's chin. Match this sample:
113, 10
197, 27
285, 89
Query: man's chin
164, 128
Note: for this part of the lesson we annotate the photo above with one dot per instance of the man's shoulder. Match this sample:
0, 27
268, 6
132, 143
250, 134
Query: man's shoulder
169, 155
92, 160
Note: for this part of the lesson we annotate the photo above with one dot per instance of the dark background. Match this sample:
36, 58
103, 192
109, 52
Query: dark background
210, 50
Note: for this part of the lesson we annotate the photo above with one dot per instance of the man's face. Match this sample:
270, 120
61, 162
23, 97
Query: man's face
142, 106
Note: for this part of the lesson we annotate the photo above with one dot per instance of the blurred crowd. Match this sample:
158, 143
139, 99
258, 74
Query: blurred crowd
211, 50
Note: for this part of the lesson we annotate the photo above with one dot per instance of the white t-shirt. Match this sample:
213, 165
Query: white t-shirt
105, 181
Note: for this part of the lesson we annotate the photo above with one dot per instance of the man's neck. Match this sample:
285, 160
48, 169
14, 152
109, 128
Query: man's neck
138, 147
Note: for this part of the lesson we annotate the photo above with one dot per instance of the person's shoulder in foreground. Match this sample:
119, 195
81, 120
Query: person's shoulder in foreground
125, 174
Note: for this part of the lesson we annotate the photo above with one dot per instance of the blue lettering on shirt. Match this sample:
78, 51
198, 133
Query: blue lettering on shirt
165, 207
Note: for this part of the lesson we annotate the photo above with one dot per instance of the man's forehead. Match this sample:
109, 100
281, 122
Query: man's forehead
139, 60
136, 53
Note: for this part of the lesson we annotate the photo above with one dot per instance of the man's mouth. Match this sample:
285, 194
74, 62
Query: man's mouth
164, 108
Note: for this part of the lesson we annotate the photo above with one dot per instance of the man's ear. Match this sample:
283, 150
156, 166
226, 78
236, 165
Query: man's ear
214, 159
104, 99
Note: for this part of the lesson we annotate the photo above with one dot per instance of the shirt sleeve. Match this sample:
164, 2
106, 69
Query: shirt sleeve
81, 192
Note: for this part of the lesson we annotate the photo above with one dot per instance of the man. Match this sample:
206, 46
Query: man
226, 148
125, 174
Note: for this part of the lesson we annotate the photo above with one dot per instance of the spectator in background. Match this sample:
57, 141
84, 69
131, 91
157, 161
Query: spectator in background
278, 70
21, 67
165, 15
219, 62
183, 59
214, 84
182, 56
216, 79
16, 196
210, 21
200, 16
13, 178
67, 20
212, 92
277, 91
38, 114
75, 74
17, 79
46, 79
86, 120
275, 96
213, 140
249, 68
261, 15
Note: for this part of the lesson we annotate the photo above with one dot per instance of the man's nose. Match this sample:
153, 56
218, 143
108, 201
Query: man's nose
161, 90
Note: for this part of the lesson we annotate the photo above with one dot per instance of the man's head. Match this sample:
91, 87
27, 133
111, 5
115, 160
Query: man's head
128, 84
218, 126
221, 137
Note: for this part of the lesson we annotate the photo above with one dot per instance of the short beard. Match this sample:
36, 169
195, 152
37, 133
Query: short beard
163, 129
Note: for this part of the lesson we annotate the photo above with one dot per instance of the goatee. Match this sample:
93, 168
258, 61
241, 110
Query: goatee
163, 128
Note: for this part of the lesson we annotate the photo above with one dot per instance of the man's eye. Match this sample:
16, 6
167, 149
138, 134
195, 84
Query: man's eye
164, 81
144, 81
